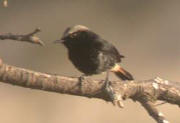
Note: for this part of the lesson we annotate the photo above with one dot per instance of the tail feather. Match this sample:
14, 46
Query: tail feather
122, 73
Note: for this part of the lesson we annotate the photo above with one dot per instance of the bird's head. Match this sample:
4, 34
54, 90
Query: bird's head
73, 33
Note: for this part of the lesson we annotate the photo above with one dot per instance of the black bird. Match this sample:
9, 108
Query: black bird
91, 54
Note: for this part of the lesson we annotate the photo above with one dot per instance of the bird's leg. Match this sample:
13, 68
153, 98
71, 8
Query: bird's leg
81, 79
107, 80
108, 87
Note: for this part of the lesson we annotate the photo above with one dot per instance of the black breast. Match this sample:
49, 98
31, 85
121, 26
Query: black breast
84, 58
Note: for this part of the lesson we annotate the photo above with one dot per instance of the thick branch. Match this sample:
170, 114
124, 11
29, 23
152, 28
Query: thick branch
30, 37
146, 92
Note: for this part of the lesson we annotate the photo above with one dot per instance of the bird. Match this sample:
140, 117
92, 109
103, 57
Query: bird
91, 54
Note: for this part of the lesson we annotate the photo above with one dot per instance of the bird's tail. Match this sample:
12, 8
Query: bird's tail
122, 73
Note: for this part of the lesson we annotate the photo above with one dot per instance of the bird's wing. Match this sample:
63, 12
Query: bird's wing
109, 49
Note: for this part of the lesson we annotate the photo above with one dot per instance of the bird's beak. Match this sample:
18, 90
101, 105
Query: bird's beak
62, 40
59, 41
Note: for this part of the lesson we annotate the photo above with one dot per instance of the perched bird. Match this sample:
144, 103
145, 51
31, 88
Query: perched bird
91, 54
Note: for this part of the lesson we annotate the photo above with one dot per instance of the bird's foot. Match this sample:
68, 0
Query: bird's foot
82, 78
115, 97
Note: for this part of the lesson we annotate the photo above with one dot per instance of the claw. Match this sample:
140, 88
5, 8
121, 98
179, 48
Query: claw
118, 100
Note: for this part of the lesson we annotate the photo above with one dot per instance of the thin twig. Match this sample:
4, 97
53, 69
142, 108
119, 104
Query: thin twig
30, 37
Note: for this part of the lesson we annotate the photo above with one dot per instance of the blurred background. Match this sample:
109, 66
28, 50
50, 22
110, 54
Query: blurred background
147, 32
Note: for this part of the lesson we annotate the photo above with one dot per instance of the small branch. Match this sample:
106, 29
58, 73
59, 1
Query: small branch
152, 110
34, 32
145, 92
31, 38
